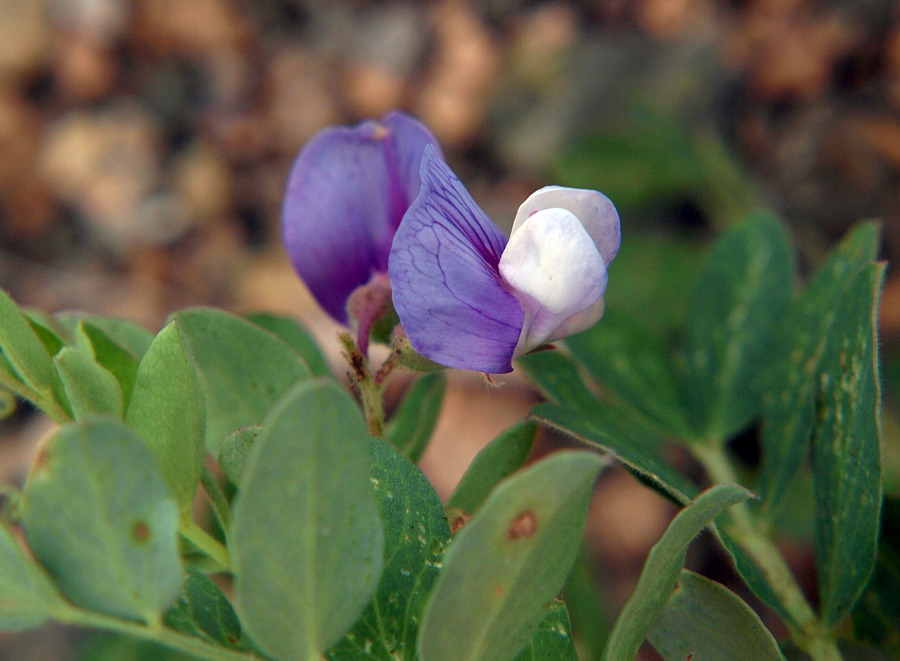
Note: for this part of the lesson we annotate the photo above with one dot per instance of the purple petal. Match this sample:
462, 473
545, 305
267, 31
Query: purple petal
444, 274
345, 197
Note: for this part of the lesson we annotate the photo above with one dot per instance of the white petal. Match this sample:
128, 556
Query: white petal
554, 268
593, 209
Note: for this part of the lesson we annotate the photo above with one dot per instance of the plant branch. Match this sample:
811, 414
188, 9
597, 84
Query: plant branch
156, 632
210, 546
807, 631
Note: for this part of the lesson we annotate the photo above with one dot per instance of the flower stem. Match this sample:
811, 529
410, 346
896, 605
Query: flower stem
368, 386
154, 631
806, 630
212, 547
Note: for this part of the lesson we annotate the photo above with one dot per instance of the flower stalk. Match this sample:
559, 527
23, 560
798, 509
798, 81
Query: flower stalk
745, 528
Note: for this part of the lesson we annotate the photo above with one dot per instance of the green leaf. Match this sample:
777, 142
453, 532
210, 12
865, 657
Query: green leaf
705, 620
509, 561
411, 426
500, 458
49, 333
27, 596
789, 406
243, 368
24, 350
307, 540
587, 607
663, 567
751, 573
559, 379
416, 533
744, 290
202, 610
167, 407
89, 387
846, 458
635, 367
297, 336
876, 619
606, 429
654, 272
236, 449
99, 517
120, 361
131, 336
553, 638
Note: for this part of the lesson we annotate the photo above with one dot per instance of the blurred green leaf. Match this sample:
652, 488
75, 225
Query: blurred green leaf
608, 430
27, 596
636, 368
500, 458
650, 280
788, 407
167, 408
90, 388
846, 458
553, 638
236, 449
705, 620
297, 336
99, 517
743, 292
509, 561
587, 607
300, 586
662, 568
876, 619
413, 423
118, 359
652, 159
25, 353
416, 533
131, 336
202, 610
559, 378
244, 369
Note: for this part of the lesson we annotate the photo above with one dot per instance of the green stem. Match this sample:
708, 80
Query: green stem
370, 389
370, 394
213, 548
806, 630
46, 403
155, 632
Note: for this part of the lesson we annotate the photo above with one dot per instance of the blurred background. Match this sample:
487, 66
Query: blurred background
144, 146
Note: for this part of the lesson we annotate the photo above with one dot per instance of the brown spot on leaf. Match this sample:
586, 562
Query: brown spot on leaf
457, 519
524, 525
140, 531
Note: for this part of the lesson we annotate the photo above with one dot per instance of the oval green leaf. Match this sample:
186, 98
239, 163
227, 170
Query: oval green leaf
706, 620
243, 368
846, 452
99, 516
509, 561
307, 540
662, 568
501, 457
744, 290
27, 596
416, 533
167, 408
90, 388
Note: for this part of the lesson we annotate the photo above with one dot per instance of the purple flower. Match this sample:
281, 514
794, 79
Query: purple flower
469, 298
346, 194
